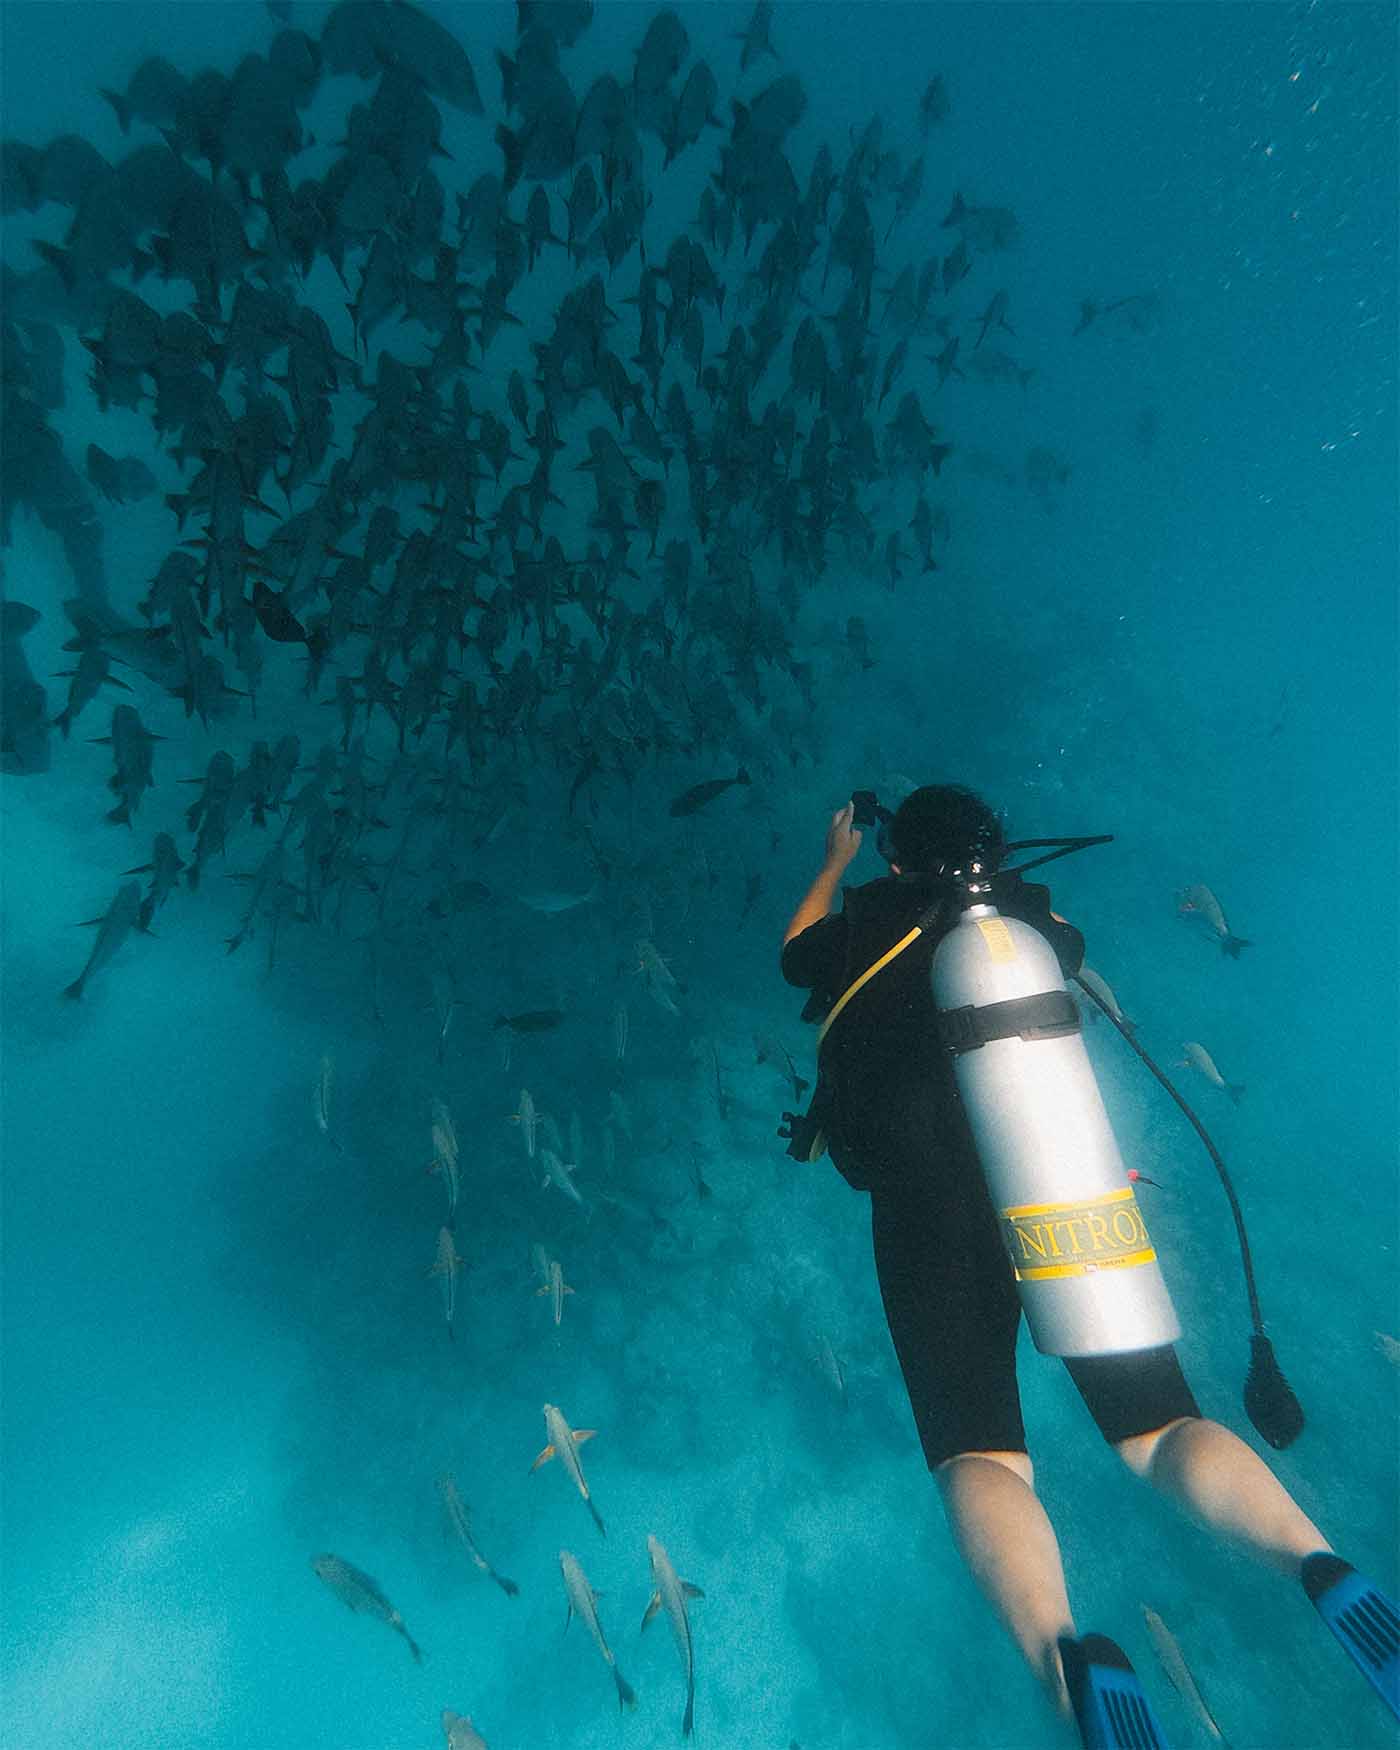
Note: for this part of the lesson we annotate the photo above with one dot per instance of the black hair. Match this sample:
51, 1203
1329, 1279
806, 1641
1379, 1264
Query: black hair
939, 827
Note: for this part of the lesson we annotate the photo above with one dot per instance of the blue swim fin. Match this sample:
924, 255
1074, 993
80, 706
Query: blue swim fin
1362, 1618
1109, 1702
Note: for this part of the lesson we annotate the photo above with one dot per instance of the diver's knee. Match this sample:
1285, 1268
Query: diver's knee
1018, 1463
1138, 1450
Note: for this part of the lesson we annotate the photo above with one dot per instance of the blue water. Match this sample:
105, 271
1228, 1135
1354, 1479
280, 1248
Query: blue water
222, 1352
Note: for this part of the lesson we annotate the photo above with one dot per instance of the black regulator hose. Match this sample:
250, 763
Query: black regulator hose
1269, 1400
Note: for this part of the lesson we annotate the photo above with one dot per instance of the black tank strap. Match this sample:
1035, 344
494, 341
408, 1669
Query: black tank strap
1050, 1015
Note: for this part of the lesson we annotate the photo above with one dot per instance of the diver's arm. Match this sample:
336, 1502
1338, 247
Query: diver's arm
817, 902
842, 843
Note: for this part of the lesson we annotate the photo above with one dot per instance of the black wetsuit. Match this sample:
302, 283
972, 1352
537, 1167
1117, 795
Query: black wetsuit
896, 1128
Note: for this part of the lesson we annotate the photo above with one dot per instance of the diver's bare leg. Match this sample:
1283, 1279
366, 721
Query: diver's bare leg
1006, 1538
1225, 1486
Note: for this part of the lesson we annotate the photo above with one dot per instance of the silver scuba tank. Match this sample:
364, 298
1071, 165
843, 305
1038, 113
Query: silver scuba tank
1085, 1268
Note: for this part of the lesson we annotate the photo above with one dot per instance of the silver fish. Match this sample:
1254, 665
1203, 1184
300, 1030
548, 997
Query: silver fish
555, 1287
444, 1159
1100, 988
1198, 901
550, 902
459, 1518
444, 1007
564, 1443
557, 1173
527, 1116
461, 1733
1197, 1057
447, 1266
670, 1594
830, 1368
1179, 1674
321, 1096
357, 1591
582, 1603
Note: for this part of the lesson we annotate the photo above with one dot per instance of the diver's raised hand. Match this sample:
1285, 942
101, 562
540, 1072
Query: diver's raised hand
842, 839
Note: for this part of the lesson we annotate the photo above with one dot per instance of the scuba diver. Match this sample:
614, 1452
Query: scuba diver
900, 1124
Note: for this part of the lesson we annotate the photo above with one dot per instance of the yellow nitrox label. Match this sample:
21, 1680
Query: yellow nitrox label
1048, 1240
998, 939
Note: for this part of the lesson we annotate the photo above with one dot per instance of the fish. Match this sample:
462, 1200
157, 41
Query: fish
113, 927
698, 795
564, 1443
528, 1118
461, 1733
555, 1287
670, 1595
1099, 988
985, 228
995, 366
994, 316
357, 1591
830, 1368
445, 1006
132, 747
459, 1518
24, 706
947, 360
93, 671
532, 1021
774, 1052
447, 1266
583, 1604
1198, 901
957, 265
620, 1024
549, 901
1197, 1057
321, 1096
933, 105
721, 1098
444, 1159
650, 962
564, 20
164, 871
154, 95
1388, 1347
755, 36
557, 1173
121, 480
1179, 1673
660, 980
275, 617
265, 882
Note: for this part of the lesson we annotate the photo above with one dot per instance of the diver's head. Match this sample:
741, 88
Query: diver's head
940, 828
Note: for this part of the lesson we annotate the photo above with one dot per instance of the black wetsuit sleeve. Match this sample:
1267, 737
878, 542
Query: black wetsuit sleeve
814, 959
1030, 902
